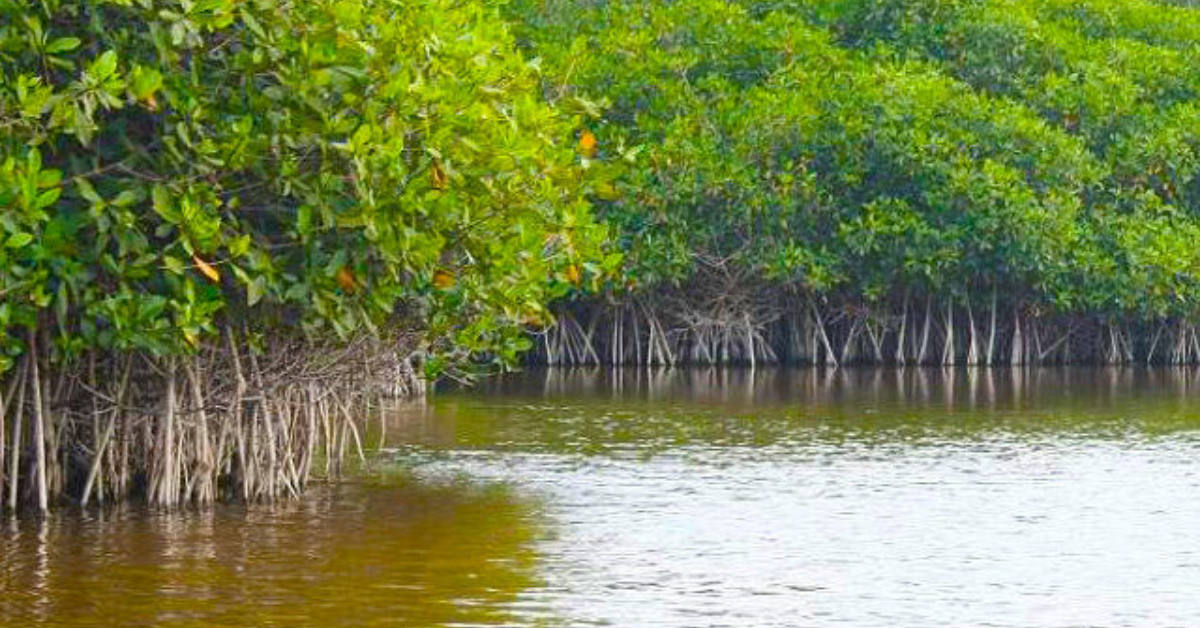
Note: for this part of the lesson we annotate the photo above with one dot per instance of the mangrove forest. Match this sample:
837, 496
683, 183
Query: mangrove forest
231, 230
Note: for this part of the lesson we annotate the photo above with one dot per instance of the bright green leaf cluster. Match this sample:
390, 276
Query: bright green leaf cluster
171, 166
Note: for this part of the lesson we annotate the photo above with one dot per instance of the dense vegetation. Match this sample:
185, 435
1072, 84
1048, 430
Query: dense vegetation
224, 225
337, 165
938, 180
215, 214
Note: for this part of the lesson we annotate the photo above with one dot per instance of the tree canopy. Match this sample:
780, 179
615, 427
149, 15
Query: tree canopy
1042, 148
332, 167
167, 167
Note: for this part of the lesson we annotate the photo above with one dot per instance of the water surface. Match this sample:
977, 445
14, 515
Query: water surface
690, 498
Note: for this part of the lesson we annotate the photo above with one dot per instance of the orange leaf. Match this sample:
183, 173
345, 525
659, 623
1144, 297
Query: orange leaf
345, 279
587, 143
206, 268
573, 274
438, 177
443, 279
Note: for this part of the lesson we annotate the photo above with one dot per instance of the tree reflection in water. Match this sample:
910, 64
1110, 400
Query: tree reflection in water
381, 552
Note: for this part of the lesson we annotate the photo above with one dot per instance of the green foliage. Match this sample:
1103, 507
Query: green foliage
1041, 148
1123, 77
336, 166
168, 166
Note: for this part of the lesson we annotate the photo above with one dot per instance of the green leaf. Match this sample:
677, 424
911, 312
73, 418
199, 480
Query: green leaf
104, 66
255, 291
144, 82
174, 265
163, 205
304, 220
240, 245
49, 178
48, 197
62, 44
127, 197
88, 192
18, 240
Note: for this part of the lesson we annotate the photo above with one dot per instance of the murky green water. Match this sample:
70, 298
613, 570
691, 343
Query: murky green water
689, 499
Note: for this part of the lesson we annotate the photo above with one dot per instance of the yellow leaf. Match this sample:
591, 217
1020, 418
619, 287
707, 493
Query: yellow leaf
607, 192
206, 268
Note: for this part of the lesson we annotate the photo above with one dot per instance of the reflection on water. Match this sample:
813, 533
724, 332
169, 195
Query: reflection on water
864, 498
689, 498
904, 387
387, 553
601, 410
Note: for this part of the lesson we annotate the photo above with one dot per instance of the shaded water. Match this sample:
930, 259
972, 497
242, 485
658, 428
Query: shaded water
689, 498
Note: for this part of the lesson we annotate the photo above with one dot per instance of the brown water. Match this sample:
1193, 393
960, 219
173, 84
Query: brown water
688, 499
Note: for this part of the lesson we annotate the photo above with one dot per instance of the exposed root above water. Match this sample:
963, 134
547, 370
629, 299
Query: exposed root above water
228, 422
733, 320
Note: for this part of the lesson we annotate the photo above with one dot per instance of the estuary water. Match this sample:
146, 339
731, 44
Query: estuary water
686, 498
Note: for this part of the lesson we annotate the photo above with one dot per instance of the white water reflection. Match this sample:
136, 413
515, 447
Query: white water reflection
889, 499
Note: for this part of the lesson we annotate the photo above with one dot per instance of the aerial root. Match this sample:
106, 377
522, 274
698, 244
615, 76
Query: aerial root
226, 422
